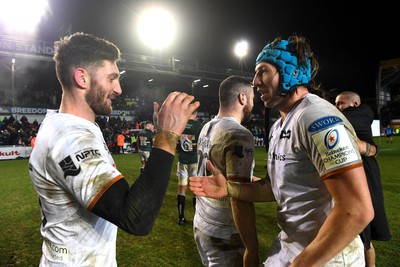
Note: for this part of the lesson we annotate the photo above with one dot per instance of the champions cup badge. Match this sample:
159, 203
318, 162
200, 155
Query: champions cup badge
331, 138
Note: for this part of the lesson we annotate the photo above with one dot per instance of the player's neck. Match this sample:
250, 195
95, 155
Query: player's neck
76, 106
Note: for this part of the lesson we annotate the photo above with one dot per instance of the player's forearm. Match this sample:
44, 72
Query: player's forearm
245, 220
341, 227
351, 213
251, 258
366, 149
259, 191
146, 195
166, 141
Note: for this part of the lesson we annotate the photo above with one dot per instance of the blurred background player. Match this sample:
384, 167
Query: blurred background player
389, 134
187, 163
146, 139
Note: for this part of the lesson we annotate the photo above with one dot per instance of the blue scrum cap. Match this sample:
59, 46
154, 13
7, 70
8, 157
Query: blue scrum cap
287, 63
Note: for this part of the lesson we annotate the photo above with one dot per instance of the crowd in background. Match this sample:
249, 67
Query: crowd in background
140, 104
19, 132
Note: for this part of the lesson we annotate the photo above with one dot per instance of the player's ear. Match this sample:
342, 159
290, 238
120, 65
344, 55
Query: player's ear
81, 78
242, 98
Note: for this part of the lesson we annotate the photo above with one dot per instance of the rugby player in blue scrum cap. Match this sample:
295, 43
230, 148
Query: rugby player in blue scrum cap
314, 169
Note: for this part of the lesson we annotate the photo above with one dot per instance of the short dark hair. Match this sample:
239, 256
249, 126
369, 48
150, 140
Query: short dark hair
81, 50
231, 87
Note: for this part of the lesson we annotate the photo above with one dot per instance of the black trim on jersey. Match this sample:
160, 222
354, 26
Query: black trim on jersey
135, 209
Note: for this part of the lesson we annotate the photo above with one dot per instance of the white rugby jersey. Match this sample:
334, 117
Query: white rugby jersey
230, 147
313, 142
70, 168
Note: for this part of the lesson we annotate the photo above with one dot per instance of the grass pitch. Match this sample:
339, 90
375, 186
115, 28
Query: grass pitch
169, 244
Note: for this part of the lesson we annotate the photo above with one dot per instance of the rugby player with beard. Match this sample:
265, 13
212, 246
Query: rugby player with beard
82, 195
314, 171
224, 229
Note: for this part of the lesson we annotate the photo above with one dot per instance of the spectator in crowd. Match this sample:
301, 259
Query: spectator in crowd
33, 140
134, 142
120, 142
361, 117
82, 195
4, 137
389, 134
314, 171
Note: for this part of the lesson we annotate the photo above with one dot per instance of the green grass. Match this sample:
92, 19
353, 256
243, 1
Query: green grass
169, 244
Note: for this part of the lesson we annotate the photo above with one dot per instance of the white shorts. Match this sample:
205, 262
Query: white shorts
144, 155
184, 171
215, 251
352, 255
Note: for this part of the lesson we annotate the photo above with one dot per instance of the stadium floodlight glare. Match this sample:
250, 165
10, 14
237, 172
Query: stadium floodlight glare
22, 15
241, 49
122, 75
157, 28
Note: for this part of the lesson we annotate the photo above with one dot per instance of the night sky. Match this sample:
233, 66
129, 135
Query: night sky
348, 41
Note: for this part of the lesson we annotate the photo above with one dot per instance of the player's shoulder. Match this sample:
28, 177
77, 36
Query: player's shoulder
317, 113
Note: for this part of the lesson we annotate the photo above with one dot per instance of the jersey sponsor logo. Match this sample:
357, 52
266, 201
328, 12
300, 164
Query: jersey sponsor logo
285, 134
241, 151
323, 123
56, 252
68, 167
87, 153
335, 147
275, 156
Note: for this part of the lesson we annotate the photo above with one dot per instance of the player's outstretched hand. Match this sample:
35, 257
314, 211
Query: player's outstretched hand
209, 186
170, 119
174, 113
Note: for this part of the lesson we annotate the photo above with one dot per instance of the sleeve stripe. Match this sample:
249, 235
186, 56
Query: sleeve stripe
98, 196
327, 175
